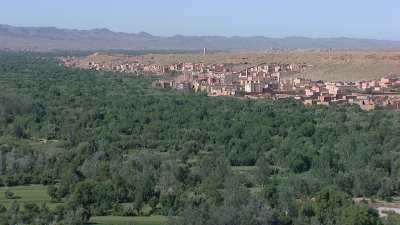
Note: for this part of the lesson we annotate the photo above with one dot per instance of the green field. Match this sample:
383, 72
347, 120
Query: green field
118, 220
51, 146
27, 194
243, 169
38, 194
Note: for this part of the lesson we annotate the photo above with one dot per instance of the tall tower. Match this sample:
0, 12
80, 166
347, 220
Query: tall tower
204, 51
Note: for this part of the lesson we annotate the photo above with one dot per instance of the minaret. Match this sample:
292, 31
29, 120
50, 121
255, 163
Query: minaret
204, 52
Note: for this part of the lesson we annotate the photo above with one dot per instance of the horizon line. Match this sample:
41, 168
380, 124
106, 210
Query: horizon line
197, 35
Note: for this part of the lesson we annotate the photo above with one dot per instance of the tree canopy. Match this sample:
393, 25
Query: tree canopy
110, 144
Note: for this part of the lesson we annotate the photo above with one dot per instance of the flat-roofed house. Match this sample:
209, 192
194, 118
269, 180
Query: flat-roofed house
309, 92
332, 89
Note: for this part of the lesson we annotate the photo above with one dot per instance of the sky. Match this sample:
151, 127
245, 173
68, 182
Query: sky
377, 19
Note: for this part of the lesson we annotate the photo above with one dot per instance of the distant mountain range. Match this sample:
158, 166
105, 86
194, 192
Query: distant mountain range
51, 38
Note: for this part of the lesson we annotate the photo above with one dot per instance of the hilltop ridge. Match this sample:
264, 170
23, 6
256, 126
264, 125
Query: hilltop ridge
52, 38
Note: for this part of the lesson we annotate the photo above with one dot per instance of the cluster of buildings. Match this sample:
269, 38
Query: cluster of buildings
135, 67
152, 69
223, 80
382, 93
265, 80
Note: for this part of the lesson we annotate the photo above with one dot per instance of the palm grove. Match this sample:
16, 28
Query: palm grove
123, 148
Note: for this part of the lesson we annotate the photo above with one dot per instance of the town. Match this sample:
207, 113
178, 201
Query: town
265, 80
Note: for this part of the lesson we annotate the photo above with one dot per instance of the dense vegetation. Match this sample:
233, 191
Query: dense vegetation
109, 144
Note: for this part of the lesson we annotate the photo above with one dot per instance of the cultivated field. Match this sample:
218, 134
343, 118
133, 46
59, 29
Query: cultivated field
27, 194
118, 220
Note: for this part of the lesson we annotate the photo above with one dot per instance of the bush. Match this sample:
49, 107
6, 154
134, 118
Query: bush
10, 181
129, 211
52, 191
10, 195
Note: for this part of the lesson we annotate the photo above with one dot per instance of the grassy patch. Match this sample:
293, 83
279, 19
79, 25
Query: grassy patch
243, 169
49, 146
27, 194
255, 190
119, 220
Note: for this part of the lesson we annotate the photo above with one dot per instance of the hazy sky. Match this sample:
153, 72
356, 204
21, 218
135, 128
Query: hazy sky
274, 18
